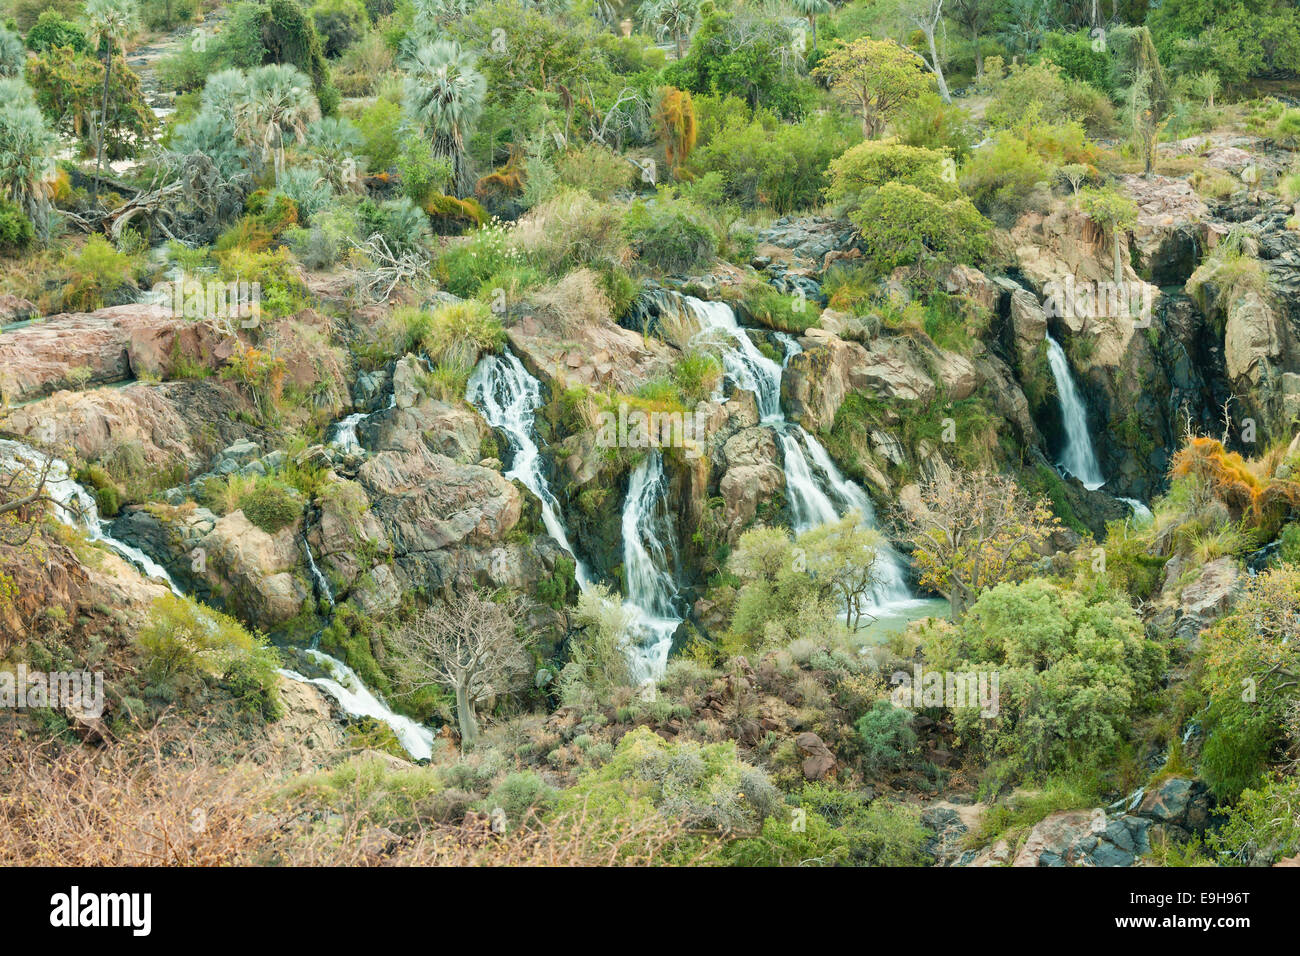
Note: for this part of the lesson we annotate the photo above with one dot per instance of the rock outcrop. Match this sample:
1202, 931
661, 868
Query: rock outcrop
110, 345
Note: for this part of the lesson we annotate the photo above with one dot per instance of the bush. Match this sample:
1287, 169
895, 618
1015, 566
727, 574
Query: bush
403, 224
886, 736
460, 331
380, 124
931, 123
596, 169
520, 793
271, 505
340, 24
16, 230
668, 237
766, 163
52, 30
901, 224
184, 638
1074, 670
98, 275
1005, 178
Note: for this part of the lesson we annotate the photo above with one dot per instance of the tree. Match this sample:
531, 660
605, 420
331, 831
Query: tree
876, 77
24, 474
469, 644
975, 18
906, 204
812, 9
974, 530
275, 105
926, 16
110, 22
675, 18
676, 118
1114, 215
27, 148
445, 92
842, 555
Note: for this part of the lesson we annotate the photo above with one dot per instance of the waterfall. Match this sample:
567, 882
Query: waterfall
357, 701
649, 554
817, 492
1077, 457
345, 434
322, 583
76, 508
508, 398
744, 363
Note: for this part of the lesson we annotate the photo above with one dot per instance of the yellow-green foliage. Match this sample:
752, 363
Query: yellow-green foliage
185, 639
460, 331
703, 787
97, 275
368, 787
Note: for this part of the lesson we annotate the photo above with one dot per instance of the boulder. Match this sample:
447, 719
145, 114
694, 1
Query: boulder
818, 762
110, 345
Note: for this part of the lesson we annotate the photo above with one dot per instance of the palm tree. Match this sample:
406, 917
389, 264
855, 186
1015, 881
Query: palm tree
13, 55
670, 17
812, 9
27, 148
445, 92
278, 105
110, 22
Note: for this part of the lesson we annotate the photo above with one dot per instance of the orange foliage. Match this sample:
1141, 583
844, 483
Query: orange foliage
1235, 481
676, 120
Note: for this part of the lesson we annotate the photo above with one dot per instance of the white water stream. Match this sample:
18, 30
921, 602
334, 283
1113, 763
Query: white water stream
509, 397
1077, 457
75, 506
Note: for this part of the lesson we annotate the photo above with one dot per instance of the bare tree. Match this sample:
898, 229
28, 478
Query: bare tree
927, 16
972, 531
22, 494
470, 644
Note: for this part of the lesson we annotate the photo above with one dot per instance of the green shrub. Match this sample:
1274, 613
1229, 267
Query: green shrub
340, 24
886, 736
668, 237
16, 232
97, 275
520, 793
1004, 177
271, 505
1073, 672
184, 638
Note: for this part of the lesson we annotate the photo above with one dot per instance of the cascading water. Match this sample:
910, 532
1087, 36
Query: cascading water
649, 554
509, 397
345, 434
346, 687
75, 506
1077, 457
813, 484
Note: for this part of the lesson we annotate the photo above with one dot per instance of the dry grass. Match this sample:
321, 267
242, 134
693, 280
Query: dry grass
169, 800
